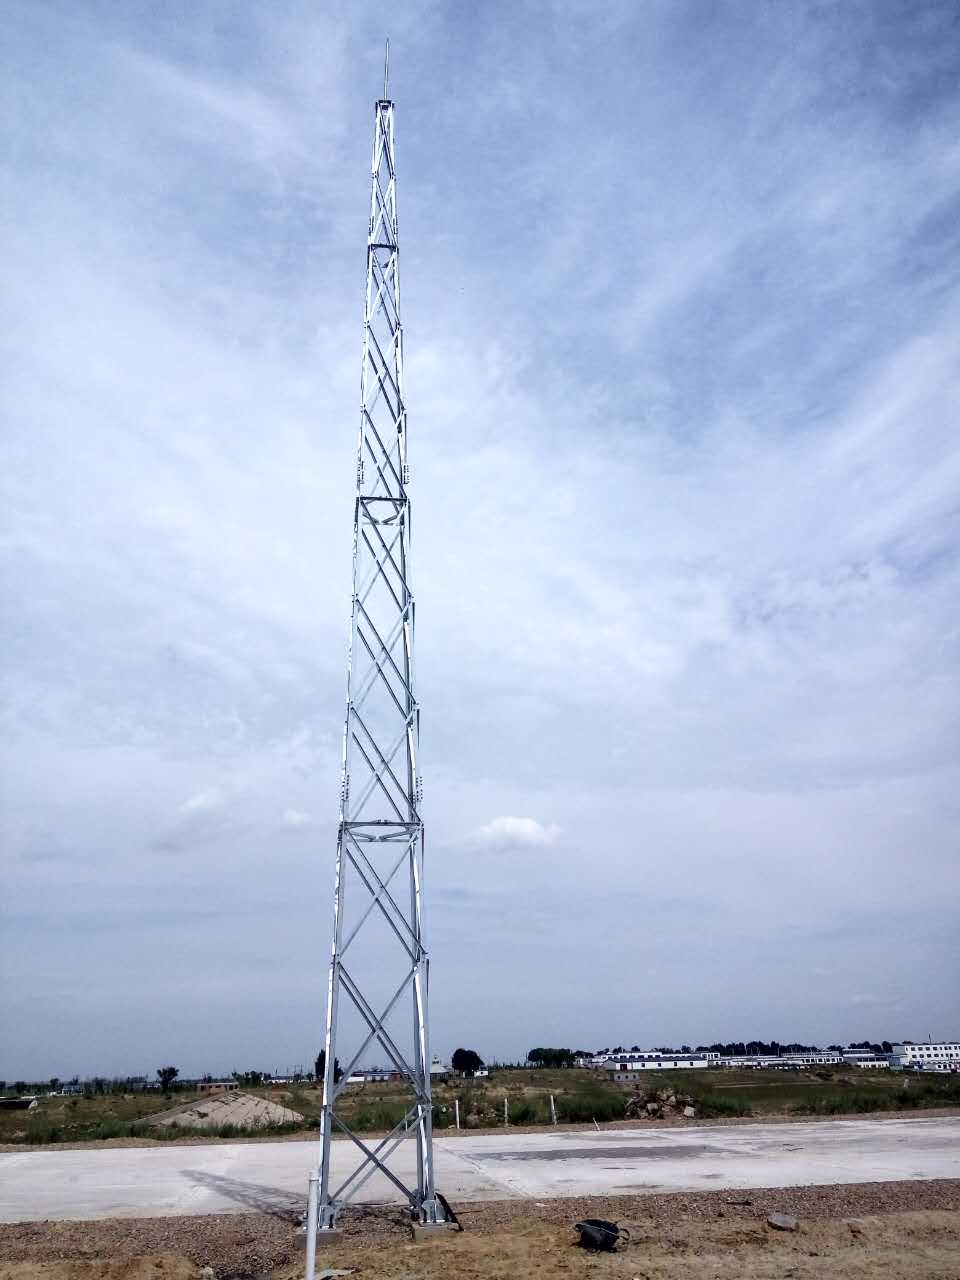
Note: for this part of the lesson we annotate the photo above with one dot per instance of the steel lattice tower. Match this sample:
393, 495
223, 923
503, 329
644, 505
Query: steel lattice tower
379, 861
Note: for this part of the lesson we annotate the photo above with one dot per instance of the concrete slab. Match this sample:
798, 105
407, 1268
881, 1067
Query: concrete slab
272, 1176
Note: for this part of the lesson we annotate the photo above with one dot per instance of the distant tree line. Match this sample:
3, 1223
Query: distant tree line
879, 1048
738, 1048
551, 1057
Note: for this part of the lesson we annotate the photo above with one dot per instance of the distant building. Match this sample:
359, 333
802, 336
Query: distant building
866, 1059
438, 1071
216, 1086
943, 1056
623, 1067
648, 1060
374, 1075
754, 1062
782, 1062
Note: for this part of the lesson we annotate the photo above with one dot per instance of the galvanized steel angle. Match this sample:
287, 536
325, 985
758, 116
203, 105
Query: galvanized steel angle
388, 555
374, 1031
387, 651
379, 901
377, 1025
376, 1161
370, 1165
368, 679
386, 456
378, 1031
383, 116
376, 897
385, 216
385, 287
396, 418
375, 779
378, 560
384, 762
386, 365
378, 664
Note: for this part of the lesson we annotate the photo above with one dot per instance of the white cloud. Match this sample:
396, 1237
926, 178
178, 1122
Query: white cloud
510, 833
201, 818
204, 802
296, 820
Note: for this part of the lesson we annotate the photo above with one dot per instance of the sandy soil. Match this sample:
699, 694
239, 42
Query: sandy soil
889, 1229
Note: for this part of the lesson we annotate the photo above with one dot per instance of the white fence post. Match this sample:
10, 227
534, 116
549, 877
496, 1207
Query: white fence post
312, 1199
553, 1111
506, 1114
456, 1111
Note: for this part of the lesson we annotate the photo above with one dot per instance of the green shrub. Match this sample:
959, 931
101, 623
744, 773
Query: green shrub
534, 1110
590, 1104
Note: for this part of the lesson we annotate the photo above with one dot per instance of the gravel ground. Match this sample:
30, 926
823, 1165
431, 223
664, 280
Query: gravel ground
667, 1122
255, 1244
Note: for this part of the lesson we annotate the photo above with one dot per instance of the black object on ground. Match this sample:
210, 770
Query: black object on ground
451, 1216
597, 1233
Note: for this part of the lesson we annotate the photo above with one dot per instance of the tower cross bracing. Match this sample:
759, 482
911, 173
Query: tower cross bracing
379, 859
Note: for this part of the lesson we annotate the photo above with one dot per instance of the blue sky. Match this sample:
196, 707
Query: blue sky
681, 291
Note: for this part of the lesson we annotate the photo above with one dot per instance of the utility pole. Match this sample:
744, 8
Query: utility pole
378, 880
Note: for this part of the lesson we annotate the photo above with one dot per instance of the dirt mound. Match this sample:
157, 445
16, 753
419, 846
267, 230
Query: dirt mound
241, 1109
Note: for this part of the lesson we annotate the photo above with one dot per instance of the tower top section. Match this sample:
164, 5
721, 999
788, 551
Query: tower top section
382, 469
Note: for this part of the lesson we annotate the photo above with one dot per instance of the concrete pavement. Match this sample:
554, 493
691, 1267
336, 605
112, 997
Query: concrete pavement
272, 1176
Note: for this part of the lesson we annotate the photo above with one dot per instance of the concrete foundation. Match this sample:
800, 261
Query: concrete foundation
269, 1177
430, 1230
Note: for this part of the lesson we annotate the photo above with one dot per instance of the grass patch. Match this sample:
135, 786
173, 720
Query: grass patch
716, 1106
379, 1116
590, 1104
531, 1110
914, 1097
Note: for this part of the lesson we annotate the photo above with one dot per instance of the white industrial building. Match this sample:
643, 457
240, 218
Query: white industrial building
781, 1062
943, 1056
621, 1064
865, 1059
